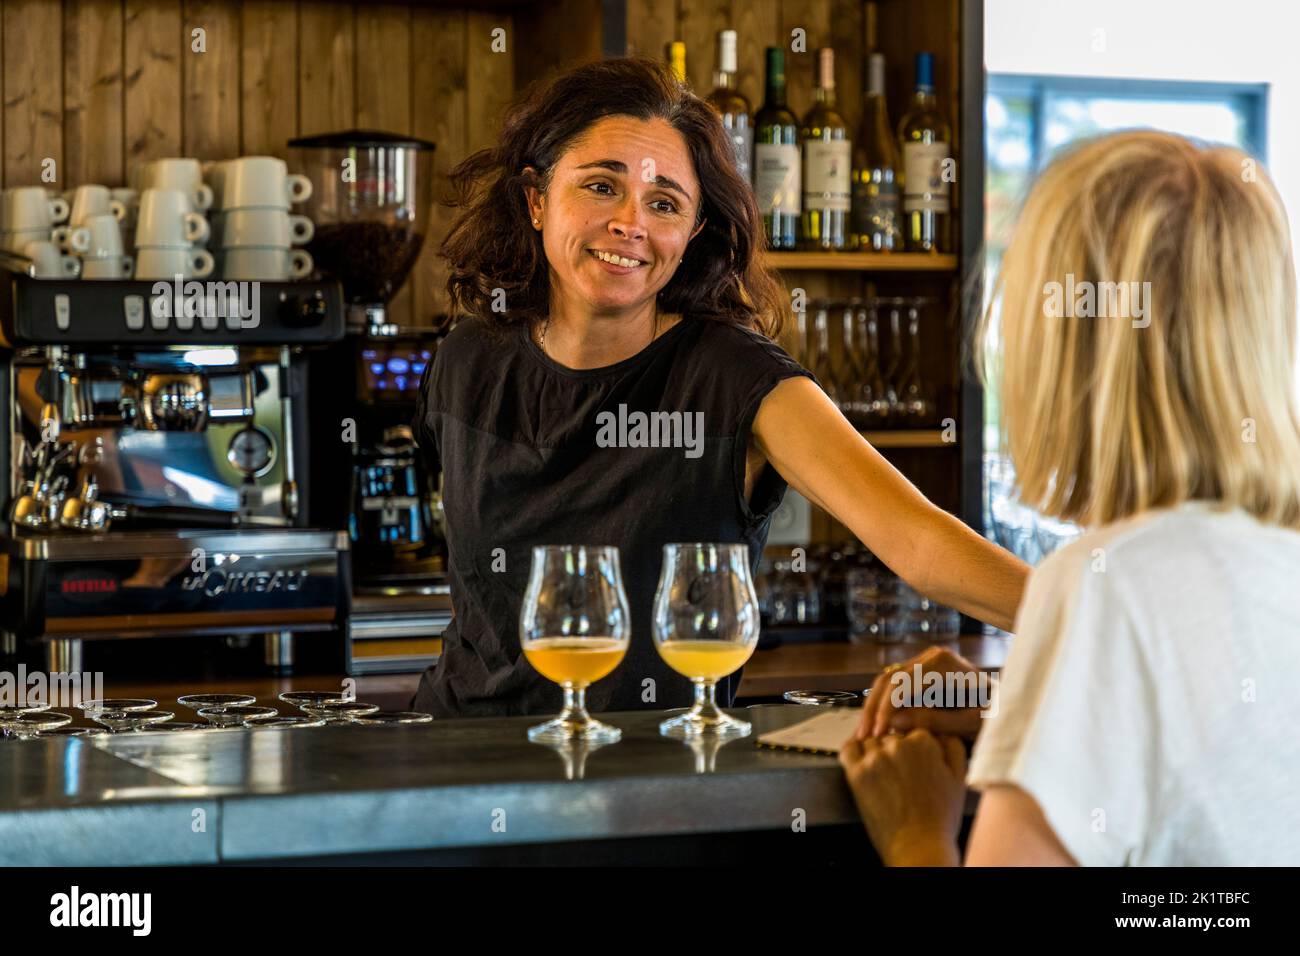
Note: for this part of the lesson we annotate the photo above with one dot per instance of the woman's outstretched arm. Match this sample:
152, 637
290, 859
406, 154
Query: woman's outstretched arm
805, 438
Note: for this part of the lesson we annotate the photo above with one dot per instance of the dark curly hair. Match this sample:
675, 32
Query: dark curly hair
491, 244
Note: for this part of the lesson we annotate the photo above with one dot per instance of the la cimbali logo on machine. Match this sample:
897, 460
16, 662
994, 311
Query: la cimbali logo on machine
224, 573
207, 300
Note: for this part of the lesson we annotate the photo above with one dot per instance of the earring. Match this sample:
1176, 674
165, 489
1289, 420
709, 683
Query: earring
536, 221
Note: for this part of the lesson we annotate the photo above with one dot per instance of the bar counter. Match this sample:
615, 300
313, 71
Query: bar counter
450, 791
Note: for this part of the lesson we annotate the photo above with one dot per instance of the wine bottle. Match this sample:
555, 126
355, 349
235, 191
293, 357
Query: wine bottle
876, 220
730, 104
776, 159
924, 136
826, 164
677, 60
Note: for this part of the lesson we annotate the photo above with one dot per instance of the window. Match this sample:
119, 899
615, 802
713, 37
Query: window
1027, 119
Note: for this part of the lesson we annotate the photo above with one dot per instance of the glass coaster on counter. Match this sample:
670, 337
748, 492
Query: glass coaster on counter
12, 711
820, 698
178, 726
129, 721
340, 711
288, 723
394, 717
238, 715
119, 704
29, 725
305, 699
199, 701
73, 732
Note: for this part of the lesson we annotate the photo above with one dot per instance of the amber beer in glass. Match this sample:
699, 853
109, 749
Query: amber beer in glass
574, 629
706, 626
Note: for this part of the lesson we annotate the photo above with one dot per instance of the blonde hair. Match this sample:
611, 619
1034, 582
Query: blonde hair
1190, 395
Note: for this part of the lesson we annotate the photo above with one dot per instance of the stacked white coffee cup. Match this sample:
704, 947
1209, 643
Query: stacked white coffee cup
28, 216
87, 231
170, 226
253, 230
94, 232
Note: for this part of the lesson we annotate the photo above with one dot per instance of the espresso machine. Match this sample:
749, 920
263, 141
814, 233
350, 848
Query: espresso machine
371, 223
156, 438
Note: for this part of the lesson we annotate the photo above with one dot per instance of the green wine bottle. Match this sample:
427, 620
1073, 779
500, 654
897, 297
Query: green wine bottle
776, 159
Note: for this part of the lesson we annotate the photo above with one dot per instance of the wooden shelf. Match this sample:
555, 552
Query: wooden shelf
864, 261
908, 438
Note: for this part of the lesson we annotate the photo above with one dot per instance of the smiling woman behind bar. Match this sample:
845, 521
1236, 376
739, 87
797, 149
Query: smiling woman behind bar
608, 256
1147, 712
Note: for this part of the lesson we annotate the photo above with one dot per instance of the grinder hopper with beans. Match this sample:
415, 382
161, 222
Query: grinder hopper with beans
371, 209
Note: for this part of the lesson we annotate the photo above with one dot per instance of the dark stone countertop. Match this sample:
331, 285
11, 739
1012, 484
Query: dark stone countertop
234, 795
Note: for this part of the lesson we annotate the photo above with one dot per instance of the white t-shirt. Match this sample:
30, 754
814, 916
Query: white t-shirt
1149, 702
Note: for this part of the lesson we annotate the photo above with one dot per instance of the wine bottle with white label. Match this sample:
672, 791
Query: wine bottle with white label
730, 104
827, 164
927, 168
776, 159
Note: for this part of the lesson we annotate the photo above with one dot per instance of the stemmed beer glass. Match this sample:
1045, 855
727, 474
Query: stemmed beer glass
706, 626
574, 629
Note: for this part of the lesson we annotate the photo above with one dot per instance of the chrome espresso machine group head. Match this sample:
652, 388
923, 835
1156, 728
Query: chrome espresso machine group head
154, 449
201, 435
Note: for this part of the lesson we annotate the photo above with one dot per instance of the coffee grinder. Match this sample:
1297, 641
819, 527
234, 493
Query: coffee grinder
371, 211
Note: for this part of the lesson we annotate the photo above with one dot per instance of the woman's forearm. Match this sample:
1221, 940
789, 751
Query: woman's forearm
954, 565
807, 439
948, 562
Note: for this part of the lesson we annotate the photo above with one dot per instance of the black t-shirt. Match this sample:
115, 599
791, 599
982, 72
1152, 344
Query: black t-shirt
525, 463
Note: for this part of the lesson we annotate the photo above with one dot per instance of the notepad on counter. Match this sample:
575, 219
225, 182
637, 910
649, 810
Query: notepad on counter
822, 733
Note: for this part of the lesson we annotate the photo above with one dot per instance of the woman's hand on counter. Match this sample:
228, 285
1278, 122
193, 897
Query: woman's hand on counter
910, 791
812, 445
880, 715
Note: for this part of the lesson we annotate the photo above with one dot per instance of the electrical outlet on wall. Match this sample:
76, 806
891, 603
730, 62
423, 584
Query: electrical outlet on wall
792, 522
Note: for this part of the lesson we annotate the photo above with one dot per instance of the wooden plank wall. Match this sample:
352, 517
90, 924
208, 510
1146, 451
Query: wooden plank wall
98, 86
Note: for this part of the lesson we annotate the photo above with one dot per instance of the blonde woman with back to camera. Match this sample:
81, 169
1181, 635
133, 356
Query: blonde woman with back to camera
1146, 713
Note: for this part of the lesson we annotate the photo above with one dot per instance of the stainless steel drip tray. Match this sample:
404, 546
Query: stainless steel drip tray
147, 544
